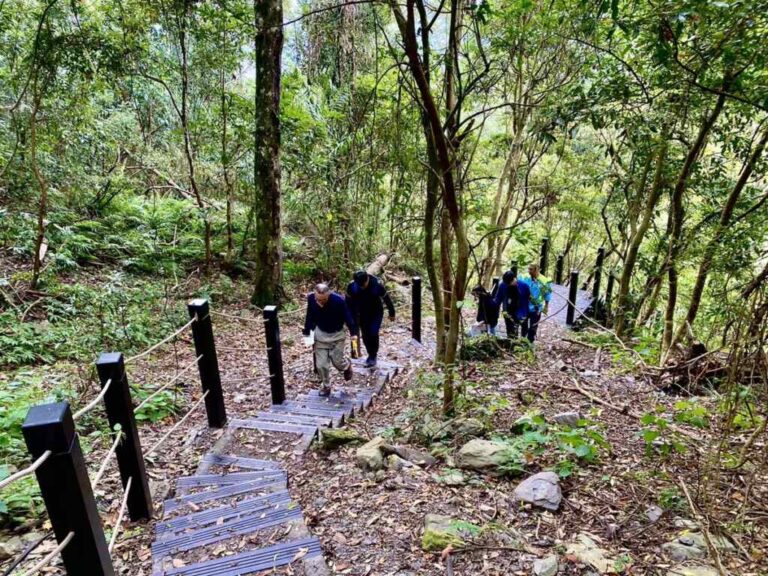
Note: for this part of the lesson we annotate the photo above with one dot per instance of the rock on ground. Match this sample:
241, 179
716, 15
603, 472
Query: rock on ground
10, 547
370, 455
331, 438
418, 457
585, 550
440, 532
693, 571
483, 455
546, 566
567, 419
542, 489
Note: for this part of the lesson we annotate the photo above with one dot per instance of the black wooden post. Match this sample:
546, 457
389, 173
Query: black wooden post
416, 308
544, 258
202, 334
274, 355
66, 489
494, 286
559, 269
609, 290
598, 273
573, 288
130, 460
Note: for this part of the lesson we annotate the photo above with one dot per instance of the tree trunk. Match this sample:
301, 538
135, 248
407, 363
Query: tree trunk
184, 118
678, 214
42, 209
268, 16
716, 238
638, 235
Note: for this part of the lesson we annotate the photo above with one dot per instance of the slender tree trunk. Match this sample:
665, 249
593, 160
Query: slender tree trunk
184, 113
678, 214
451, 203
42, 209
636, 240
716, 238
228, 189
267, 199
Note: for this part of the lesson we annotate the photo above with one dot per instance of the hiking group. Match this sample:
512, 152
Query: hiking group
362, 312
520, 301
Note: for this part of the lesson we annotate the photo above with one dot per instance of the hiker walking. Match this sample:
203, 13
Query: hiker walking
327, 313
512, 298
366, 298
487, 309
540, 294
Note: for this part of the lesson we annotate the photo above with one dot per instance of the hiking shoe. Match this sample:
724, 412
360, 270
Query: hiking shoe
370, 362
325, 391
348, 372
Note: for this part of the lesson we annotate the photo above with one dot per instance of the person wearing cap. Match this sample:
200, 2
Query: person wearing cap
327, 313
512, 298
538, 303
366, 297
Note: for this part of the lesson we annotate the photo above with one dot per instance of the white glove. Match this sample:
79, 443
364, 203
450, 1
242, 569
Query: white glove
309, 340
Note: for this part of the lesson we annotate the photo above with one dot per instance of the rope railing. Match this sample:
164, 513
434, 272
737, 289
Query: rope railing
120, 516
255, 320
103, 468
26, 471
50, 556
168, 384
93, 403
177, 425
163, 341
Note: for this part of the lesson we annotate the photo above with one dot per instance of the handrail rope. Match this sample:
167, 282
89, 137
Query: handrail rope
173, 380
179, 423
107, 459
92, 404
55, 552
163, 341
26, 471
119, 521
234, 317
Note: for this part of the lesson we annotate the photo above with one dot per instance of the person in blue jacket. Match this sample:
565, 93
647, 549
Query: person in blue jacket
538, 303
512, 297
366, 298
327, 313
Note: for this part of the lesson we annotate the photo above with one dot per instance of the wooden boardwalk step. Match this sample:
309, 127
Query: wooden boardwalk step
274, 426
263, 486
247, 524
222, 513
278, 416
234, 478
252, 561
241, 462
289, 407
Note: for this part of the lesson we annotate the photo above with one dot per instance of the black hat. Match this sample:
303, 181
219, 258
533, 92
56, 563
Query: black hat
509, 276
360, 277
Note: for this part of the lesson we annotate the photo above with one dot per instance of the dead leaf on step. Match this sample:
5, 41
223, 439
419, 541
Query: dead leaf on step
300, 554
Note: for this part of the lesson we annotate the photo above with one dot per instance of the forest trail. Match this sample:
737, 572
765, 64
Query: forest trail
235, 515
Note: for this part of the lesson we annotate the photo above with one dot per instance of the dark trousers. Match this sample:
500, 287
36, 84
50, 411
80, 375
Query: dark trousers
369, 328
512, 326
531, 325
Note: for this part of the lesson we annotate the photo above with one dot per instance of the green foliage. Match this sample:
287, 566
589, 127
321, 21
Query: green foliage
670, 498
658, 436
692, 413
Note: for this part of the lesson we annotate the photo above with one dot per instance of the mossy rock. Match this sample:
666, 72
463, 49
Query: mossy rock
443, 531
332, 438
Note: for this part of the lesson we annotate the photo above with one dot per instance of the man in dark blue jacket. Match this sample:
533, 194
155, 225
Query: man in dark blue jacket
366, 297
512, 298
327, 313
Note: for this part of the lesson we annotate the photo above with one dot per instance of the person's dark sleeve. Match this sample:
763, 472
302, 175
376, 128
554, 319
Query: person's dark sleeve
309, 321
501, 294
387, 301
349, 320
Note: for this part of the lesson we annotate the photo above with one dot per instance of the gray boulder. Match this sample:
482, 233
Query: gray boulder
418, 457
370, 456
542, 489
331, 438
570, 419
546, 566
10, 548
482, 455
466, 428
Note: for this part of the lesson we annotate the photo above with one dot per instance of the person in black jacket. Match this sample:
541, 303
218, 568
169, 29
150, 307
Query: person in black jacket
327, 313
366, 298
487, 309
508, 300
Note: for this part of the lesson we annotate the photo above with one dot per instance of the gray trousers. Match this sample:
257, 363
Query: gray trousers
329, 349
